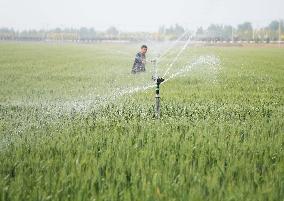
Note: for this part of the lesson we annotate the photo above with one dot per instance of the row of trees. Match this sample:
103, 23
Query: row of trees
243, 32
83, 34
57, 34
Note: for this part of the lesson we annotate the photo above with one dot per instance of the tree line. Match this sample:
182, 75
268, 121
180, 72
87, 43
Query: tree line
243, 32
274, 31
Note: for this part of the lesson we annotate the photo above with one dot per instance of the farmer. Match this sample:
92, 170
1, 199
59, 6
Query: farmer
140, 60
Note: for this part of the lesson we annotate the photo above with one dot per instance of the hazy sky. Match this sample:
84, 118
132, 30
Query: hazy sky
133, 15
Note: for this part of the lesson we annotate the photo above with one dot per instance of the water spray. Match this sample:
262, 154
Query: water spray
158, 79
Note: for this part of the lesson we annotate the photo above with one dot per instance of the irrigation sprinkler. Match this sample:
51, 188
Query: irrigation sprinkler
158, 81
158, 104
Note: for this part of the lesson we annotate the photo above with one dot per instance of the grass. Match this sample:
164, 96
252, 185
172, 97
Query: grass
220, 136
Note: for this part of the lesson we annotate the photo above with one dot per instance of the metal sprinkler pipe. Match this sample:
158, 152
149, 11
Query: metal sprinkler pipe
158, 81
158, 104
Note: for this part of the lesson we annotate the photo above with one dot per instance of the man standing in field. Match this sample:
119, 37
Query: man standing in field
140, 60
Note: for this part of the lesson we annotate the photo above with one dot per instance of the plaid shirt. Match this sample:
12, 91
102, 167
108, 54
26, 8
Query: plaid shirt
138, 65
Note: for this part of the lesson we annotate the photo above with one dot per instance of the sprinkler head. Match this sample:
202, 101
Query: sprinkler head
159, 80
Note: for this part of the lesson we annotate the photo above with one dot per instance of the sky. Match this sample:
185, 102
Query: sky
133, 15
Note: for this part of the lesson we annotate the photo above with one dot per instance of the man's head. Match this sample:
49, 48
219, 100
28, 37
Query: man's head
144, 49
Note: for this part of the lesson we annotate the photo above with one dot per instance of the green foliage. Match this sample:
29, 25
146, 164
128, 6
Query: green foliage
220, 136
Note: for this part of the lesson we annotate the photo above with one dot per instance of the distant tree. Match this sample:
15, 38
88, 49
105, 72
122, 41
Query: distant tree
172, 32
57, 30
7, 34
274, 25
227, 32
245, 27
273, 29
112, 31
83, 32
214, 32
245, 31
92, 33
87, 33
178, 30
199, 33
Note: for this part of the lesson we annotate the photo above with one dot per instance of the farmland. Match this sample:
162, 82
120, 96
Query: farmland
76, 125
